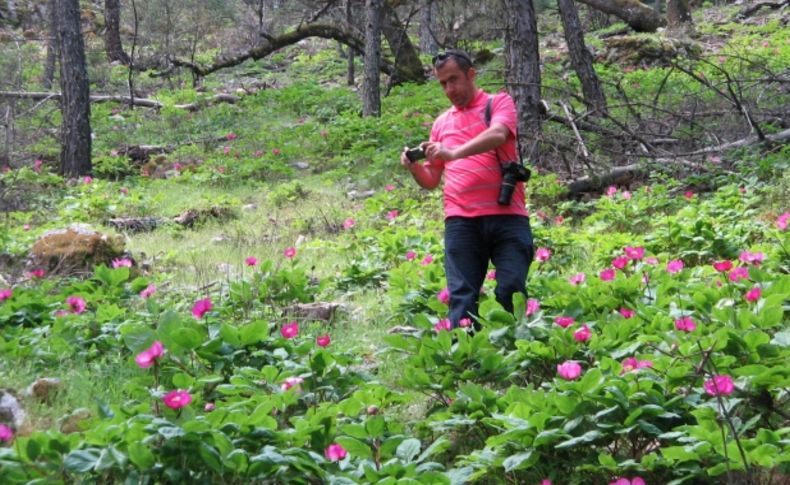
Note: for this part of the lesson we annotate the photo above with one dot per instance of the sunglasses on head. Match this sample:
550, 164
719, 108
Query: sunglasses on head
443, 56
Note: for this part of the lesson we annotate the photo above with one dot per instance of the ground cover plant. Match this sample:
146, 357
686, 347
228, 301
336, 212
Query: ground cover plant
652, 347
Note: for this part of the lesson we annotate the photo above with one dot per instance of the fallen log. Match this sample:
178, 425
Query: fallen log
143, 102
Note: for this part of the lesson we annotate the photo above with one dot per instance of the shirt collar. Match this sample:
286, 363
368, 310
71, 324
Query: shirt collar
480, 99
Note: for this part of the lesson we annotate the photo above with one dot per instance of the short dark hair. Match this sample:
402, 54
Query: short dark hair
460, 57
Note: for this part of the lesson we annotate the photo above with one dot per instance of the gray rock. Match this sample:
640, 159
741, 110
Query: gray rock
11, 411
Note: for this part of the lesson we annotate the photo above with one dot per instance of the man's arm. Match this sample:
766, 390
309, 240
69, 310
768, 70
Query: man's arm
489, 139
427, 177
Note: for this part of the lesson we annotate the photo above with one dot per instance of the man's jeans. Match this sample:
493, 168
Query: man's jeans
470, 242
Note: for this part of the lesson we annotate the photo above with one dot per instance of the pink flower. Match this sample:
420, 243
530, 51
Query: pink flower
444, 296
177, 399
322, 340
577, 279
583, 334
739, 273
148, 291
545, 481
533, 306
569, 370
688, 195
559, 220
291, 382
290, 252
87, 179
627, 312
428, 259
564, 322
611, 190
147, 357
5, 294
635, 253
491, 275
201, 307
752, 258
410, 255
465, 322
620, 262
251, 261
719, 385
652, 260
257, 153
625, 481
674, 266
36, 273
226, 150
391, 215
389, 187
443, 324
177, 167
722, 266
543, 254
26, 227
37, 165
124, 190
335, 452
121, 263
6, 433
631, 364
781, 221
276, 151
230, 136
626, 195
349, 223
290, 330
61, 313
76, 304
209, 407
753, 294
685, 324
607, 274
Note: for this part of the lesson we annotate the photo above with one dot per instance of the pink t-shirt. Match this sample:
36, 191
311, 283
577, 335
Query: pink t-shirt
471, 185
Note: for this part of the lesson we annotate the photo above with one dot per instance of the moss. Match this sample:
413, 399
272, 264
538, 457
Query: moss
75, 250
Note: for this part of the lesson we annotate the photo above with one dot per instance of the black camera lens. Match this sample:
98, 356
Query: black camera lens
414, 154
506, 189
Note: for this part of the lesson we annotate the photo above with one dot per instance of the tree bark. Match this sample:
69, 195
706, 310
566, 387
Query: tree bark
52, 46
112, 32
581, 59
428, 24
371, 96
523, 73
407, 61
637, 15
75, 133
350, 74
679, 14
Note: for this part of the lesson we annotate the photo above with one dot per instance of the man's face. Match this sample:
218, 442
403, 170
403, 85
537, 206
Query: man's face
458, 86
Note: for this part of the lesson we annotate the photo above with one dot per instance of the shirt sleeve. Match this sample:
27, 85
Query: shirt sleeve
503, 110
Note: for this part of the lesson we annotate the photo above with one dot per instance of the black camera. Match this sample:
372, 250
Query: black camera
414, 154
512, 173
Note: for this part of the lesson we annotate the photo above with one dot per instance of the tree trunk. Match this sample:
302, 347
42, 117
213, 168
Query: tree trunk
428, 44
581, 59
112, 33
523, 73
351, 52
75, 133
636, 14
371, 97
407, 62
679, 15
8, 13
52, 46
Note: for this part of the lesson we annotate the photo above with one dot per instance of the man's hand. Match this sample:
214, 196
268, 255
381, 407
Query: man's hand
434, 150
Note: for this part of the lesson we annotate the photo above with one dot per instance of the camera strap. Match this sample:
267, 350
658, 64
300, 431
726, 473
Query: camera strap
487, 117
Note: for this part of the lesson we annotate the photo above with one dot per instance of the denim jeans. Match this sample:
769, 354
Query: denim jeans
470, 242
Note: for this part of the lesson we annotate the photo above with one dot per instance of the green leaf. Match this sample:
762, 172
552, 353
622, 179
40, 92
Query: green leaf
607, 460
375, 426
33, 449
254, 332
782, 339
520, 460
210, 456
439, 446
80, 461
355, 447
408, 449
230, 334
585, 438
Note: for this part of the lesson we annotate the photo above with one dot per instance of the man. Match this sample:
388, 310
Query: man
469, 154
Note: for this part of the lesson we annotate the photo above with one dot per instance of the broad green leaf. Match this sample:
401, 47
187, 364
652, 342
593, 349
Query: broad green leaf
408, 449
517, 461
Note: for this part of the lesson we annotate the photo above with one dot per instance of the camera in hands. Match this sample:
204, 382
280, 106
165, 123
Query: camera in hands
415, 154
512, 173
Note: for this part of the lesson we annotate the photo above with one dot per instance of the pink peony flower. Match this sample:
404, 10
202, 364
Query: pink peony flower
688, 195
685, 324
251, 261
781, 221
607, 275
87, 179
322, 340
335, 452
36, 273
444, 296
124, 190
148, 291
722, 266
410, 255
635, 253
739, 273
428, 259
564, 322
5, 294
226, 150
290, 330
611, 190
583, 334
626, 481
753, 294
533, 306
719, 385
121, 263
752, 258
627, 312
289, 252
631, 364
76, 304
230, 136
652, 260
257, 153
569, 370
291, 382
442, 325
559, 220
148, 357
491, 275
349, 223
392, 215
177, 167
209, 407
26, 227
276, 151
626, 195
674, 266
6, 433
37, 165
545, 481
620, 262
201, 307
177, 399
389, 187
577, 279
465, 322
543, 254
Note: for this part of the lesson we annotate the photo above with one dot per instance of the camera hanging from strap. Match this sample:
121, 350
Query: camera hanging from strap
512, 171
